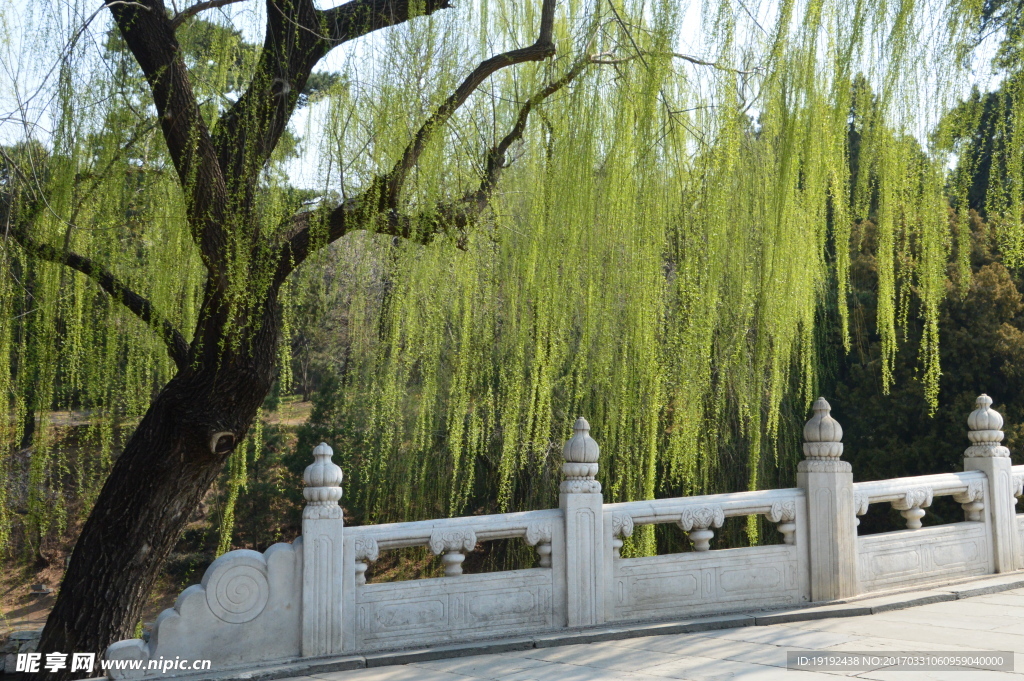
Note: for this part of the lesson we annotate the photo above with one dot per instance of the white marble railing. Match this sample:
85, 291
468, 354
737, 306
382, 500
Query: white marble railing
924, 555
457, 607
910, 496
708, 581
310, 598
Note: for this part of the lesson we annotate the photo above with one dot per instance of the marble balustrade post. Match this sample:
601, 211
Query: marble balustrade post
581, 502
831, 523
987, 454
322, 552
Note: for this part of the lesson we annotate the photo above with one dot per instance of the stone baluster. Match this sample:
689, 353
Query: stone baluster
912, 504
453, 544
1018, 488
831, 522
544, 555
622, 527
538, 535
322, 549
783, 514
581, 503
987, 454
697, 521
860, 506
972, 501
366, 552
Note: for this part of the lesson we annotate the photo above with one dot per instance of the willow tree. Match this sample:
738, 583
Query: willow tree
584, 216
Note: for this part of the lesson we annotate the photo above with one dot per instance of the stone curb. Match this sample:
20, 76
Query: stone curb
870, 605
384, 659
1001, 583
805, 615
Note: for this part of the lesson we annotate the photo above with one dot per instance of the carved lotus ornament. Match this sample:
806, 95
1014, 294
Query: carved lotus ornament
985, 432
822, 434
322, 472
581, 448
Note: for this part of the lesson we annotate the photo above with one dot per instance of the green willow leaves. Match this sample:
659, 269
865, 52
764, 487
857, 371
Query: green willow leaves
654, 256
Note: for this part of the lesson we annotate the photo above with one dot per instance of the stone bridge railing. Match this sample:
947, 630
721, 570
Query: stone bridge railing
310, 599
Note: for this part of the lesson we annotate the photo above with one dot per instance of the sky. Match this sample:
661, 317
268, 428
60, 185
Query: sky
33, 45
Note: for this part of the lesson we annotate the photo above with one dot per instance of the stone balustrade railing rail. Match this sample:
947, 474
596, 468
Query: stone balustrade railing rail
310, 598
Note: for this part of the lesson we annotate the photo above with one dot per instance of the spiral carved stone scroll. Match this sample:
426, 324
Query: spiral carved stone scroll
236, 586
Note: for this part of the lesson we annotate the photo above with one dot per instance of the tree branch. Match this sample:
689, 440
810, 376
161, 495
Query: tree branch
496, 155
298, 36
247, 133
611, 59
544, 47
359, 17
177, 346
456, 216
716, 65
182, 16
149, 35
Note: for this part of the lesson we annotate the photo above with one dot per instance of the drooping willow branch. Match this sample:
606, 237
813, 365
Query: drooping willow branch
141, 307
611, 59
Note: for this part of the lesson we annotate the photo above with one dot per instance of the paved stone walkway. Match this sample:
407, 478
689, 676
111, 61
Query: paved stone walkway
990, 622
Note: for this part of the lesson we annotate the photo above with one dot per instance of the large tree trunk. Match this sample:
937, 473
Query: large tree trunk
168, 464
204, 412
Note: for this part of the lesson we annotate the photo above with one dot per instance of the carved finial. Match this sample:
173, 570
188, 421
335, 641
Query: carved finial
985, 432
323, 485
581, 454
581, 448
822, 434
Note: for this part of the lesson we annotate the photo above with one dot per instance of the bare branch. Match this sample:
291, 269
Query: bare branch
359, 17
610, 59
716, 65
195, 9
392, 183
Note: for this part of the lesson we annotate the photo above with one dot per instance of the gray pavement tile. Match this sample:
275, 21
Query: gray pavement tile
1006, 598
784, 635
652, 642
870, 643
604, 657
392, 673
567, 672
719, 648
706, 669
989, 621
973, 606
953, 675
957, 620
944, 632
483, 666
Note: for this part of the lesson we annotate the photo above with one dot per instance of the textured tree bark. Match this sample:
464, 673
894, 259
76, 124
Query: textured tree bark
170, 461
